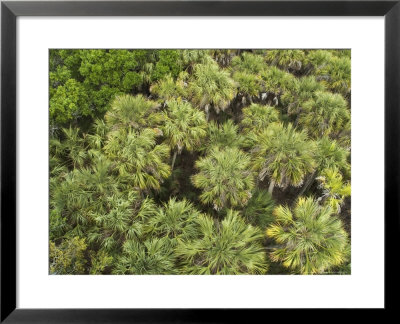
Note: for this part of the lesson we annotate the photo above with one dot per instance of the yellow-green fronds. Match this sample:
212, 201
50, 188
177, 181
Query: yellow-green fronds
211, 85
227, 247
224, 178
184, 127
257, 117
134, 112
284, 154
312, 240
335, 190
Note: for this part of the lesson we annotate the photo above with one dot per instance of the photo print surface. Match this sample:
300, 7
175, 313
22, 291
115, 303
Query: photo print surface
204, 162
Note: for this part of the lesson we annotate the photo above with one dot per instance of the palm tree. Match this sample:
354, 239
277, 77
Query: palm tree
288, 59
228, 247
303, 90
111, 227
98, 179
246, 70
224, 177
337, 75
70, 199
335, 190
259, 209
168, 88
176, 220
277, 82
184, 127
191, 57
248, 63
125, 218
83, 191
134, 112
283, 153
316, 60
326, 115
249, 85
223, 56
154, 256
141, 163
223, 136
257, 117
211, 86
97, 140
329, 154
311, 239
71, 149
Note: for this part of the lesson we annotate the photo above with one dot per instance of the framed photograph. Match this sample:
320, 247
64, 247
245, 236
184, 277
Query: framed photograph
171, 161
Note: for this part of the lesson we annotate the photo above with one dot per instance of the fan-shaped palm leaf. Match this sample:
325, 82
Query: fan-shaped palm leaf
326, 115
283, 153
312, 240
211, 86
229, 247
133, 112
225, 178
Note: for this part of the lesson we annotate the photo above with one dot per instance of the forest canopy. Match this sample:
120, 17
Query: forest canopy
200, 161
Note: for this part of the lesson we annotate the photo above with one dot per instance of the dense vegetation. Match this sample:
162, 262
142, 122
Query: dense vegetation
200, 161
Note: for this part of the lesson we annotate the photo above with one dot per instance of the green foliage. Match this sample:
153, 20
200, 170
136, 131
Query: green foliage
277, 81
303, 89
311, 239
68, 257
333, 68
99, 262
318, 59
133, 112
225, 178
326, 115
72, 150
153, 256
257, 117
246, 73
211, 86
259, 209
177, 220
289, 59
83, 82
168, 88
283, 153
337, 75
69, 101
248, 84
223, 136
58, 225
335, 190
228, 247
116, 68
168, 64
330, 154
184, 126
141, 163
230, 119
191, 57
248, 63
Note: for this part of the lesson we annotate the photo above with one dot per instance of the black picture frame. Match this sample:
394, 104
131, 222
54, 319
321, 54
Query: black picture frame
10, 10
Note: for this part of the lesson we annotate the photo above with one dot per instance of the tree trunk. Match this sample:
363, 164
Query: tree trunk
173, 160
296, 122
207, 110
271, 186
308, 183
